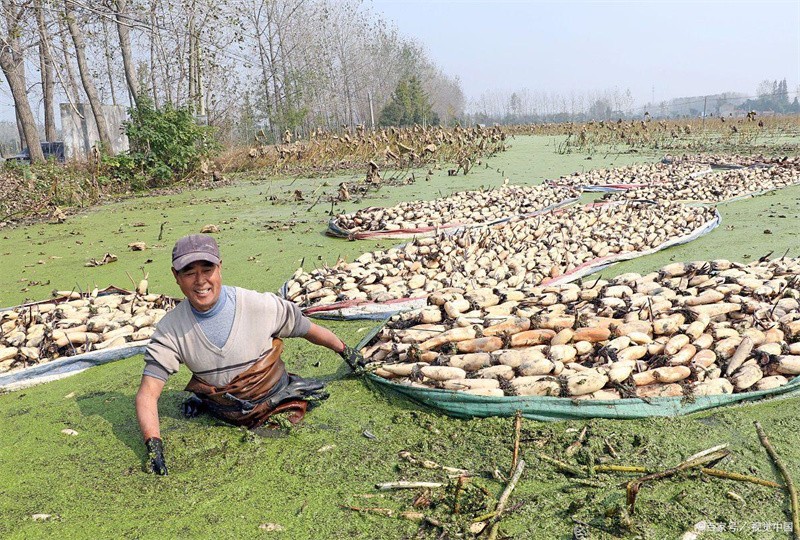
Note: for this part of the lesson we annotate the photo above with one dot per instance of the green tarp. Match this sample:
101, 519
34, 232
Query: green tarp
463, 405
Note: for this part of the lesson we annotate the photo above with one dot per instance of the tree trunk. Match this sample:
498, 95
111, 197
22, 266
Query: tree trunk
16, 83
165, 62
285, 59
12, 64
123, 29
48, 78
71, 86
153, 35
277, 128
109, 71
343, 60
86, 78
201, 98
263, 59
192, 64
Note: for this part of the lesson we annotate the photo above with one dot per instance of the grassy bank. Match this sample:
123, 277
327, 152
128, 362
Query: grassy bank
226, 483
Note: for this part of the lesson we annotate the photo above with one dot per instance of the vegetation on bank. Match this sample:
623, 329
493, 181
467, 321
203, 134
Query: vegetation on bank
166, 147
169, 150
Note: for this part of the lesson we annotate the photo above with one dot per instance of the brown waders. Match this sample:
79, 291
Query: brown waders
262, 390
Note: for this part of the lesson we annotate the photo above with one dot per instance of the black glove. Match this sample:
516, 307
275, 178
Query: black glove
192, 406
155, 453
353, 358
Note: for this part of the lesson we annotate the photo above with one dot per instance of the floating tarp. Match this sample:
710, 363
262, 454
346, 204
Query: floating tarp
66, 366
600, 263
719, 165
701, 202
741, 197
616, 188
354, 310
463, 405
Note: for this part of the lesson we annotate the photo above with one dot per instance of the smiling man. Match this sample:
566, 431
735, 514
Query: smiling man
231, 340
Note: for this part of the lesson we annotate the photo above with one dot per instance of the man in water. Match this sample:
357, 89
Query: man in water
231, 340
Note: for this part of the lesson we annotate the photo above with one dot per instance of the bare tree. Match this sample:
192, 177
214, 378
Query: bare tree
86, 77
305, 63
12, 64
48, 73
108, 56
70, 85
124, 22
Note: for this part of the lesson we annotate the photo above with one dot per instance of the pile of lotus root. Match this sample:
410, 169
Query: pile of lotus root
464, 208
689, 329
76, 324
507, 256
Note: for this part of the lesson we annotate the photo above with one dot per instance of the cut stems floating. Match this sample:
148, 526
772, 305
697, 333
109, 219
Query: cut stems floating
452, 472
719, 473
712, 455
402, 484
501, 502
762, 435
517, 428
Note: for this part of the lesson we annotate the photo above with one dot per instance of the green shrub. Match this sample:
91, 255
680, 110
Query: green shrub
166, 146
123, 167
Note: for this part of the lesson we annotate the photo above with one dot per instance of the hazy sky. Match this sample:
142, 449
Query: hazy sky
656, 49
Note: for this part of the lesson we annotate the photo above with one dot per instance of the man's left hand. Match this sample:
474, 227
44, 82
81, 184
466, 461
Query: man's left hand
353, 358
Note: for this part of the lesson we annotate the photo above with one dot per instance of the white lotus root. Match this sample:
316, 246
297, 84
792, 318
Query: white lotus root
696, 178
74, 324
513, 255
464, 208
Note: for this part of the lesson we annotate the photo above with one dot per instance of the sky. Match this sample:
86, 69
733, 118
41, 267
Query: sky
658, 50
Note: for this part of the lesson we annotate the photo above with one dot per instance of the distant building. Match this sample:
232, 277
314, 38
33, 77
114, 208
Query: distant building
79, 130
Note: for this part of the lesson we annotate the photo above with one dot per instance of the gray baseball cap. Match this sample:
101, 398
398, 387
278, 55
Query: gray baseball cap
192, 248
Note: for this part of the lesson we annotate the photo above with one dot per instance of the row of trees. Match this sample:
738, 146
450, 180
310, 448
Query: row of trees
250, 67
773, 96
526, 106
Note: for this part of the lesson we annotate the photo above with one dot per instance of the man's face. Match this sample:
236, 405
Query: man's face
201, 282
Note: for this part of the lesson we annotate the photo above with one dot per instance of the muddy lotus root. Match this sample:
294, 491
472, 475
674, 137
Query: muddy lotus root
76, 324
716, 186
699, 328
464, 208
728, 161
707, 178
644, 173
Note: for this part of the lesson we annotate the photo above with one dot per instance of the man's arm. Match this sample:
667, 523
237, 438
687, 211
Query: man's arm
319, 335
147, 413
147, 406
